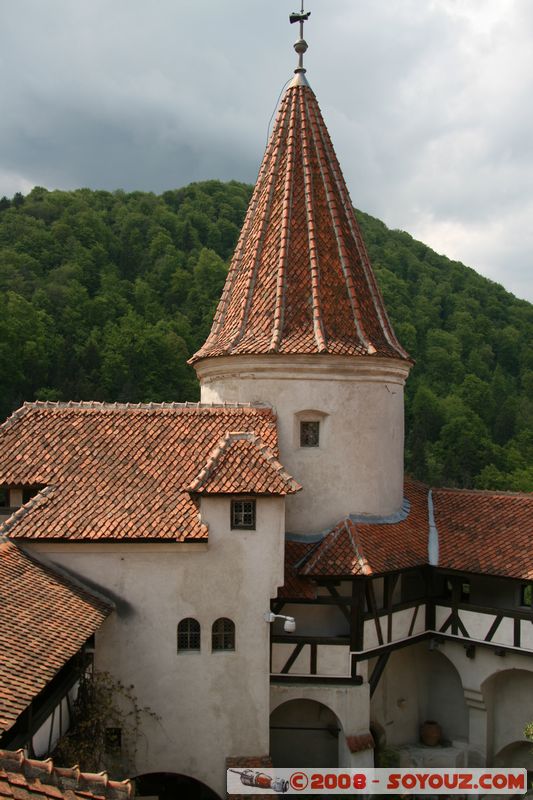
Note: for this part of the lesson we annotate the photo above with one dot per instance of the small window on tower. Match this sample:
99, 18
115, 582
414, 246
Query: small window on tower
243, 514
309, 433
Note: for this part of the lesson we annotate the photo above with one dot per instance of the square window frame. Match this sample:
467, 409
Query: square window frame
318, 426
233, 502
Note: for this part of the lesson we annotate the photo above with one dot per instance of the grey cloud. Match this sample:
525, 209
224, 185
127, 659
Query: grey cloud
428, 105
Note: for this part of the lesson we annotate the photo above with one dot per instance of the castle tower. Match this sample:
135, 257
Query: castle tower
301, 325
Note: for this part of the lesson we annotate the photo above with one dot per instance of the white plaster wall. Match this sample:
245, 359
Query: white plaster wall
319, 620
211, 705
509, 699
358, 467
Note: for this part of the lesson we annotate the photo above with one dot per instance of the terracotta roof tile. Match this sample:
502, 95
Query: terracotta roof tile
479, 532
359, 548
296, 586
300, 280
485, 532
242, 464
29, 779
118, 471
44, 621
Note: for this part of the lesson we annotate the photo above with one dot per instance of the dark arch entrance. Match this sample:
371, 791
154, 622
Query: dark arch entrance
169, 786
304, 733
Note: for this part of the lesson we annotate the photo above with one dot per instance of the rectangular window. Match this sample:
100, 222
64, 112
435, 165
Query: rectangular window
309, 433
526, 594
243, 514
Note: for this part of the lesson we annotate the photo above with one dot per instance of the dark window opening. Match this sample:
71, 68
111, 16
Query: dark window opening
526, 594
113, 740
189, 635
310, 433
464, 586
243, 514
223, 634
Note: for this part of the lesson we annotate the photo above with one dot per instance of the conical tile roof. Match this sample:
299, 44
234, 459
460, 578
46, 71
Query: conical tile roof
300, 280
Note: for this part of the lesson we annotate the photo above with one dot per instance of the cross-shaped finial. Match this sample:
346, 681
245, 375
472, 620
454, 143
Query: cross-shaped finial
301, 45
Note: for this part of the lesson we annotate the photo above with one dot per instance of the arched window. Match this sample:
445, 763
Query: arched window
188, 635
223, 634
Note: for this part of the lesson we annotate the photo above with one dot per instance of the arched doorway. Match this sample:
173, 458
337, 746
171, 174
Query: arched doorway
169, 786
507, 696
517, 754
304, 733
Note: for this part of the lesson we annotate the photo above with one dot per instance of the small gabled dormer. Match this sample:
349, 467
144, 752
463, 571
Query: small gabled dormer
13, 497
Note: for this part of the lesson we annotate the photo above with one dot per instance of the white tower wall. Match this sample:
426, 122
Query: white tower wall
358, 465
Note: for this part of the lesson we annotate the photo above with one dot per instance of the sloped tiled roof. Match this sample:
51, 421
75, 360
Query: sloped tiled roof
44, 620
116, 471
242, 464
359, 548
480, 532
295, 585
485, 532
300, 280
23, 778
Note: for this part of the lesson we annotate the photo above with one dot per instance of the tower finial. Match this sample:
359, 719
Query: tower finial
301, 45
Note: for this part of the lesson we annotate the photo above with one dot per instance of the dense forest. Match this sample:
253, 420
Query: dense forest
105, 295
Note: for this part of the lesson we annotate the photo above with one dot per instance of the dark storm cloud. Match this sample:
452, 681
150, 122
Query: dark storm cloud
428, 104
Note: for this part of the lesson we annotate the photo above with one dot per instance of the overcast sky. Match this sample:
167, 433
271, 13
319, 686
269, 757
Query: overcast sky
429, 104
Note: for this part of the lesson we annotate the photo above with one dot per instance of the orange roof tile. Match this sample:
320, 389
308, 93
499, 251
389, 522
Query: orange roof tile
485, 532
368, 548
295, 585
23, 778
117, 471
479, 532
44, 621
242, 464
300, 280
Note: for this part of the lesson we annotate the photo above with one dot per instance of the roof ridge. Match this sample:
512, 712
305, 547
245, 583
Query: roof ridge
15, 415
97, 404
34, 502
66, 779
486, 492
357, 545
229, 438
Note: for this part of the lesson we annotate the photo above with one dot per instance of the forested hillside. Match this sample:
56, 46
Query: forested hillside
104, 296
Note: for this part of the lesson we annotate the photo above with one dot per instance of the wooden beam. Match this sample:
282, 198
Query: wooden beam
493, 628
378, 670
316, 679
341, 606
413, 620
292, 658
371, 598
313, 659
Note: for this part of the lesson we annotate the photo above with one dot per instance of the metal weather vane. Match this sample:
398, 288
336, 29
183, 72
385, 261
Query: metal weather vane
301, 45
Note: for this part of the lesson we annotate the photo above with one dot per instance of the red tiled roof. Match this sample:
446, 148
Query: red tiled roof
300, 280
116, 471
44, 621
242, 464
480, 532
359, 548
485, 532
23, 778
295, 585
